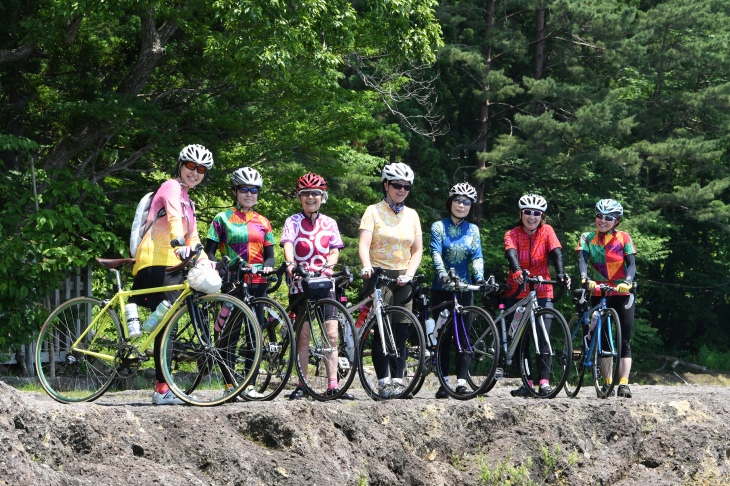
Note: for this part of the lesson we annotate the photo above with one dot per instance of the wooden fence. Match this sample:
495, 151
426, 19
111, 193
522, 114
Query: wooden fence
76, 285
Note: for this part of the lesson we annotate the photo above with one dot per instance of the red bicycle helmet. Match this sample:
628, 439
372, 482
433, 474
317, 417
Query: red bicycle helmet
310, 180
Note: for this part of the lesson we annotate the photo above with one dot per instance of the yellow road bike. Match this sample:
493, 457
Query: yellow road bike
84, 346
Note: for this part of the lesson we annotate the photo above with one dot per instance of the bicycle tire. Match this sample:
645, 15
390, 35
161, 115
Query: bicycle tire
577, 369
559, 358
277, 353
414, 351
315, 379
198, 362
70, 375
484, 341
609, 321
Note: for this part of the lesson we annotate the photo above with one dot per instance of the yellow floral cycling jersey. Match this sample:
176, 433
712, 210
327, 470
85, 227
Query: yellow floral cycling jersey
393, 235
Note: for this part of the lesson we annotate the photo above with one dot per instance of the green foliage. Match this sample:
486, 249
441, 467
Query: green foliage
505, 473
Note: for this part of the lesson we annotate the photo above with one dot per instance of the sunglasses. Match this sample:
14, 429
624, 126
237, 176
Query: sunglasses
605, 217
531, 212
465, 202
313, 193
400, 186
193, 166
246, 190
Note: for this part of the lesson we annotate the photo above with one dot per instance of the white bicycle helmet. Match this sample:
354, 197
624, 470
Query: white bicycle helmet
198, 154
397, 171
464, 189
246, 176
610, 207
204, 279
533, 201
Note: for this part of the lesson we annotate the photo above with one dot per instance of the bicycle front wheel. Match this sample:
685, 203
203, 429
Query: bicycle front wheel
577, 368
401, 361
326, 347
607, 353
546, 354
468, 351
75, 351
277, 354
215, 360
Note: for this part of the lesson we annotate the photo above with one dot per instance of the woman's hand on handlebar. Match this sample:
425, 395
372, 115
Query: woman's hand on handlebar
403, 280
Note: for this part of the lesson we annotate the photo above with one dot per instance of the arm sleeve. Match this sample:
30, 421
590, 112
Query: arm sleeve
269, 256
211, 246
556, 256
583, 257
437, 233
512, 259
477, 262
630, 262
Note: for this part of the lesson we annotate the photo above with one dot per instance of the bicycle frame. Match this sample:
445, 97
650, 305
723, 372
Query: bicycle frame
377, 304
585, 321
118, 301
530, 304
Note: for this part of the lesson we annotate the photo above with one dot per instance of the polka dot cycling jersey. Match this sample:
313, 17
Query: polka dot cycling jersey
312, 243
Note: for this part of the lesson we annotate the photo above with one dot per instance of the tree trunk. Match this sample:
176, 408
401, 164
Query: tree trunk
152, 50
484, 106
539, 60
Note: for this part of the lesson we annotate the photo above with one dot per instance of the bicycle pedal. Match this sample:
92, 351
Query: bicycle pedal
273, 348
344, 363
577, 355
499, 374
607, 355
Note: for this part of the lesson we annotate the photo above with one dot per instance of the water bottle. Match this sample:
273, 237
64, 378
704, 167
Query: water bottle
156, 317
443, 315
430, 328
362, 316
132, 320
220, 322
516, 320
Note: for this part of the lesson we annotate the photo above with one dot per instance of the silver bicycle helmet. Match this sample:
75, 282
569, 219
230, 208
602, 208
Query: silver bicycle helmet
464, 189
533, 201
198, 154
611, 207
397, 171
246, 176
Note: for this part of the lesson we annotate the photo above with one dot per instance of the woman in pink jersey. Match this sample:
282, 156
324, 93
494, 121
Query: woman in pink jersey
155, 253
313, 240
608, 256
529, 246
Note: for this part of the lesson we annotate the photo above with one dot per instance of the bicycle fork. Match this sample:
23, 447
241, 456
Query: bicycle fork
378, 307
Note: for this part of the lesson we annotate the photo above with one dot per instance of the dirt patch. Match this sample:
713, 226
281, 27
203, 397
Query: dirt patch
664, 435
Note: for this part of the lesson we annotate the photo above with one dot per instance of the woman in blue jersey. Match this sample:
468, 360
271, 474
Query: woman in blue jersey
455, 243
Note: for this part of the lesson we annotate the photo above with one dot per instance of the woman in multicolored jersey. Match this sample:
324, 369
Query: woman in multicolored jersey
455, 243
391, 238
312, 239
529, 246
155, 253
608, 256
241, 232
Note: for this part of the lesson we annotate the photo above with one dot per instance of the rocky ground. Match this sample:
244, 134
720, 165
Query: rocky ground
665, 435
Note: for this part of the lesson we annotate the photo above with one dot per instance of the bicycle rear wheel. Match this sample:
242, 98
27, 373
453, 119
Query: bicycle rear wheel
277, 354
577, 368
547, 359
323, 354
607, 353
478, 350
395, 362
75, 361
215, 365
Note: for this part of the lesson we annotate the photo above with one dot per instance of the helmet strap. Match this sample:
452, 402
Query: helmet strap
457, 220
